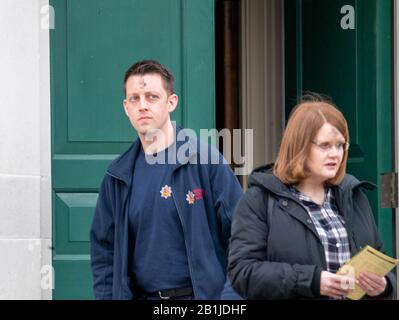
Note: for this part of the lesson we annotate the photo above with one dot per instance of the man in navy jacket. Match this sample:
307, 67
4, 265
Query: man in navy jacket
162, 222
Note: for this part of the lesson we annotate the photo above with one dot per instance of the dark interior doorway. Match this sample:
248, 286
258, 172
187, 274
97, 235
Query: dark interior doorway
227, 31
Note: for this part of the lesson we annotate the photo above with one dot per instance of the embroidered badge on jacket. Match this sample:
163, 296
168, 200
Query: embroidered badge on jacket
199, 194
166, 192
190, 197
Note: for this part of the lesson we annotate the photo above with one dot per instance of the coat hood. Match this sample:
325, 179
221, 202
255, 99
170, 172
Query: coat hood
263, 177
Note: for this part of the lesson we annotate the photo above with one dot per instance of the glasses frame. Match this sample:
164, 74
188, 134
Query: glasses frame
345, 146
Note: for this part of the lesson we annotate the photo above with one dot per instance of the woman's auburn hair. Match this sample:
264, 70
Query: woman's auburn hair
305, 121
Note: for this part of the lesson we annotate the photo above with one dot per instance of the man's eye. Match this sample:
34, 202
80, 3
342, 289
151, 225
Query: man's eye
153, 97
133, 99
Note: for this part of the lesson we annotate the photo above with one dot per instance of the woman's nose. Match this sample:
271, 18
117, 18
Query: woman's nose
334, 150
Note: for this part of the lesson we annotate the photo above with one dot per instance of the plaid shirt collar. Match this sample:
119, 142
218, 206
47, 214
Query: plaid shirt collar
307, 201
330, 227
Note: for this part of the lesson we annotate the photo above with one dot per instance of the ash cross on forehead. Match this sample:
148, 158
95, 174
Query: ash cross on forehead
334, 132
142, 83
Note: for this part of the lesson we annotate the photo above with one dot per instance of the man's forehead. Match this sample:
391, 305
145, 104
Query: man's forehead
141, 82
145, 81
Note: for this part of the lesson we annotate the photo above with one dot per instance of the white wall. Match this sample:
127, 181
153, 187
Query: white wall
25, 183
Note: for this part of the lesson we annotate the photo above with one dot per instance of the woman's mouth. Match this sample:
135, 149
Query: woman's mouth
331, 165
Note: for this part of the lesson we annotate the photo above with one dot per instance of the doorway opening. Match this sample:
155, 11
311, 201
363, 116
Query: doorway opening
250, 72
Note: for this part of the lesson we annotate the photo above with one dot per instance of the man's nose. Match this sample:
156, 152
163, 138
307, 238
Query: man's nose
143, 104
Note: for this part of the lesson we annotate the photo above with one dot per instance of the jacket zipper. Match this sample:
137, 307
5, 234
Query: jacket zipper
123, 212
184, 236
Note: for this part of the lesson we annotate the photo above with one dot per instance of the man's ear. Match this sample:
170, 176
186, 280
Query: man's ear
125, 107
173, 100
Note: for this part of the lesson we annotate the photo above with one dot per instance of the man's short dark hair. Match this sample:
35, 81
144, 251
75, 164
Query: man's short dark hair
144, 67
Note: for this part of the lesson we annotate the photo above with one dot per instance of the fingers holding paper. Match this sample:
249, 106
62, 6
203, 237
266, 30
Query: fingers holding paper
371, 283
335, 286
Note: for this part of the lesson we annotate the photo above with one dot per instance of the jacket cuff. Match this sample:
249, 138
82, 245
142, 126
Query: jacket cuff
315, 286
388, 289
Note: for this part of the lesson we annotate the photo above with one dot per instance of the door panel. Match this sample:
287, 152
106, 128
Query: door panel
92, 45
353, 66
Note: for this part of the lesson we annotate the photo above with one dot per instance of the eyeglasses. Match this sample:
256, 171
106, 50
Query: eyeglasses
325, 146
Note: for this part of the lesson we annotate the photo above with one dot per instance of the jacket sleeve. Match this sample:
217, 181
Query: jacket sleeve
102, 244
364, 206
251, 274
227, 192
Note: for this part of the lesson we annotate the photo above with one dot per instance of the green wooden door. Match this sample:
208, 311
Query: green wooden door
349, 60
93, 43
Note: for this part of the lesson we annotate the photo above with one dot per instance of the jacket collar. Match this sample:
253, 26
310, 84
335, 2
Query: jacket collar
122, 167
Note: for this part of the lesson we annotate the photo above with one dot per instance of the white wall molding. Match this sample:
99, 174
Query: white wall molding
25, 155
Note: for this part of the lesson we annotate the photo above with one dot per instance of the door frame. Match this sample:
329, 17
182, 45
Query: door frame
396, 114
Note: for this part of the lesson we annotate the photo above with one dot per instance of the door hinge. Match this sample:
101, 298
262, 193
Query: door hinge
389, 190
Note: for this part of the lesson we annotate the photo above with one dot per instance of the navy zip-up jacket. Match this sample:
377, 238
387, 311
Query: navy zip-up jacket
206, 224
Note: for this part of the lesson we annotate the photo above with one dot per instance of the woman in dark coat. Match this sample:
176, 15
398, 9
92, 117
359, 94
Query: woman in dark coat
303, 218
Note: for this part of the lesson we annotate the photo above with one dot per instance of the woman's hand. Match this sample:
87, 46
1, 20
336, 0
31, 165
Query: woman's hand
371, 283
335, 286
